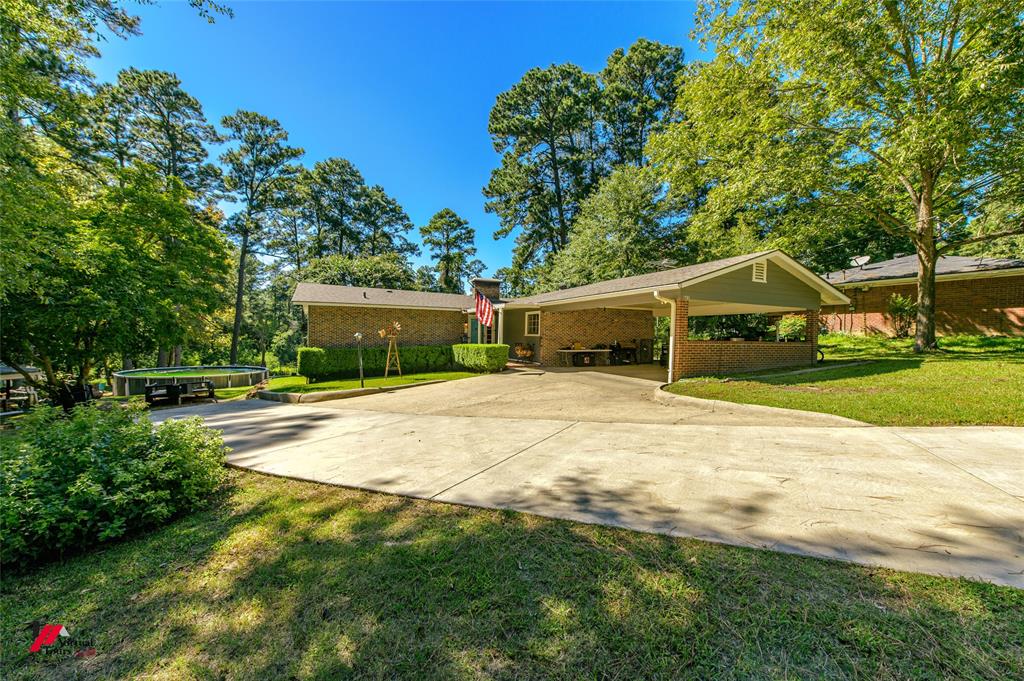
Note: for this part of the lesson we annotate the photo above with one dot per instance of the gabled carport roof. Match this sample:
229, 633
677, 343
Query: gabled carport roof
678, 279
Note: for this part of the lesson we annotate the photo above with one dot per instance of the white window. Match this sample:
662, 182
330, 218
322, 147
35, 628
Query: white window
533, 323
760, 272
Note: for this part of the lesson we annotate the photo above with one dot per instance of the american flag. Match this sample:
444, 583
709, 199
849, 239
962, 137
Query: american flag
484, 310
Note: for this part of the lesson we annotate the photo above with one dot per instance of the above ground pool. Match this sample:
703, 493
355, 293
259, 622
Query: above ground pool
134, 381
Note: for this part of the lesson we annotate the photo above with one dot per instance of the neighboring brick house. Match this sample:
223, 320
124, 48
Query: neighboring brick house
551, 327
972, 295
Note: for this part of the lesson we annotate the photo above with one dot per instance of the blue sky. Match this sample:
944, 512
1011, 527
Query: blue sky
403, 90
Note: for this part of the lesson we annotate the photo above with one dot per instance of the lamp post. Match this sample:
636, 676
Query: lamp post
359, 352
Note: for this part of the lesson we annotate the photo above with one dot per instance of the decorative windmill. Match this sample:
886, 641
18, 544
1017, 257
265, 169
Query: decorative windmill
391, 333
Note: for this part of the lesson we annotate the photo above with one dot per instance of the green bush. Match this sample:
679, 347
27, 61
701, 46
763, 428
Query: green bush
73, 481
792, 327
902, 311
318, 364
481, 357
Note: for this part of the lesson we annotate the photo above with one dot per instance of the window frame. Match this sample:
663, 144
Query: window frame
526, 323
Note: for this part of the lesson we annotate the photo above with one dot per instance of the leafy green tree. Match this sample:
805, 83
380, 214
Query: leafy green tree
639, 89
904, 113
384, 225
426, 279
288, 234
44, 80
389, 270
260, 160
267, 309
450, 241
625, 228
169, 127
111, 285
330, 196
544, 127
44, 49
111, 132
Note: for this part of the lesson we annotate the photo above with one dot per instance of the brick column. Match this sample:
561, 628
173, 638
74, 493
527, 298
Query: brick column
812, 333
680, 332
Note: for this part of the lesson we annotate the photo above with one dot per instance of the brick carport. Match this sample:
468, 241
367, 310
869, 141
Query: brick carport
622, 309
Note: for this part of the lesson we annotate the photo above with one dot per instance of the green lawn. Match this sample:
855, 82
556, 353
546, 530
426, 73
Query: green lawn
971, 381
291, 580
297, 384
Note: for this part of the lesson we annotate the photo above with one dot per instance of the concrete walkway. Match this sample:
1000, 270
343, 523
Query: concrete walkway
947, 501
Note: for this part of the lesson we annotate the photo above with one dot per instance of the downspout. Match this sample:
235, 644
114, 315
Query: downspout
671, 333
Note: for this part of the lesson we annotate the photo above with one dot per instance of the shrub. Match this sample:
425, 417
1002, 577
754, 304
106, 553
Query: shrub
902, 311
318, 364
481, 357
73, 481
792, 327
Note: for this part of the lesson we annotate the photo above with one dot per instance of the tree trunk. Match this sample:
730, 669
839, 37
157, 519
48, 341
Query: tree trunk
127, 362
176, 356
162, 358
237, 330
924, 242
563, 229
924, 335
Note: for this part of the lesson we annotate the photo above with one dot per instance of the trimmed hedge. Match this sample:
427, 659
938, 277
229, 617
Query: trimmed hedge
481, 357
319, 364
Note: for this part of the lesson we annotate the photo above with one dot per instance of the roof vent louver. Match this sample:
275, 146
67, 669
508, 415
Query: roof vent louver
760, 272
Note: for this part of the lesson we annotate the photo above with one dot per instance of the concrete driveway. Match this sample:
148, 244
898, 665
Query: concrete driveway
604, 396
947, 501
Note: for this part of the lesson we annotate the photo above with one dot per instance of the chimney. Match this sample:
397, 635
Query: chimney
489, 287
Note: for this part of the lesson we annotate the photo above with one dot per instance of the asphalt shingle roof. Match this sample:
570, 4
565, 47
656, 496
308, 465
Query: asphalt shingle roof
906, 266
671, 277
352, 295
384, 297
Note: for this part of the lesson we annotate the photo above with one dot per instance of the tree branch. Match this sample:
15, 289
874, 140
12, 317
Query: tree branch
1015, 231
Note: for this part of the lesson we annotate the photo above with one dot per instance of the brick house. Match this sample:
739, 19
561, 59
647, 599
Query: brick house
550, 328
972, 295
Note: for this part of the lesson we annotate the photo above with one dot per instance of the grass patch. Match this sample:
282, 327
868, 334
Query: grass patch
297, 384
285, 579
972, 380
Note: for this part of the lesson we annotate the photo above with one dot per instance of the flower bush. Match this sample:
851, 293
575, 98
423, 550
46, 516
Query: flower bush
71, 481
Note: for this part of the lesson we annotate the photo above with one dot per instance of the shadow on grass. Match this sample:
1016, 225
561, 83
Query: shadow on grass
295, 580
871, 368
